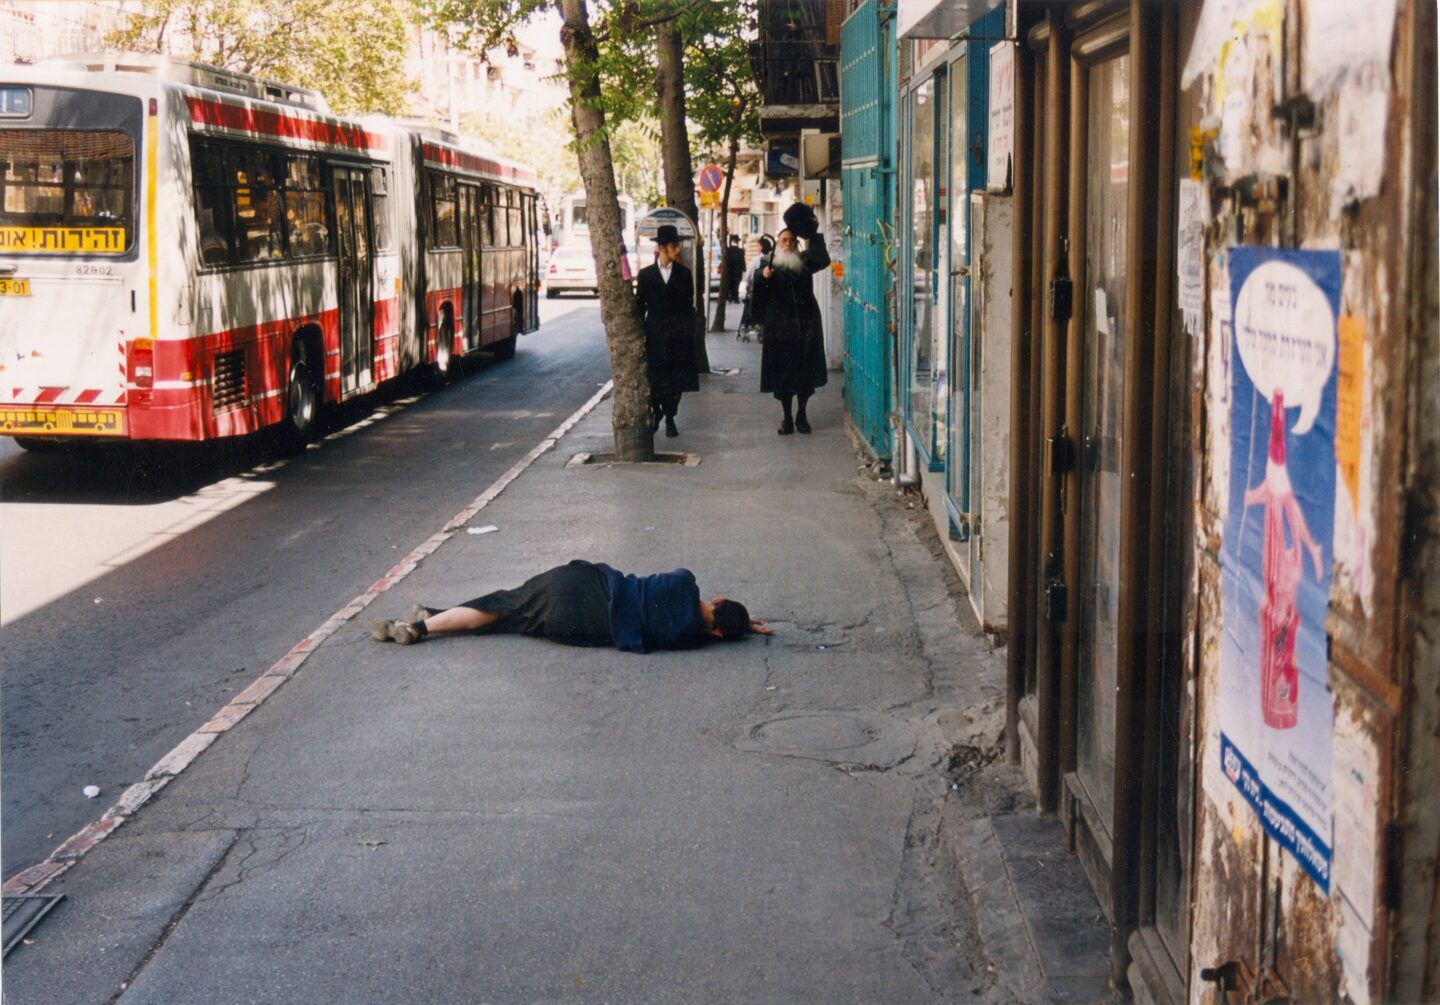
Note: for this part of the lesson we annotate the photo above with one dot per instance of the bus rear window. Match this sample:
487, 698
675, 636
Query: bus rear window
66, 191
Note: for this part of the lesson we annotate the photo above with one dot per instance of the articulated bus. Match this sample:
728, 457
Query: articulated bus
188, 253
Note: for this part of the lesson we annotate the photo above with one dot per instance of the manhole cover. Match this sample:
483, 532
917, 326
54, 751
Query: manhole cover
23, 913
860, 739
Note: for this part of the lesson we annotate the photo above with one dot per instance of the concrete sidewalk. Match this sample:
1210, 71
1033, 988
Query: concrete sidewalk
507, 820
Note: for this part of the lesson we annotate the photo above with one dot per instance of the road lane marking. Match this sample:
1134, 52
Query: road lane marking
169, 767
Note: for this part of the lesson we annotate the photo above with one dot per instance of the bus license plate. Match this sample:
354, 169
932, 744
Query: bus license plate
63, 421
14, 287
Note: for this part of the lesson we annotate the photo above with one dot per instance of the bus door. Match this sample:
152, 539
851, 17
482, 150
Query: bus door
471, 284
357, 331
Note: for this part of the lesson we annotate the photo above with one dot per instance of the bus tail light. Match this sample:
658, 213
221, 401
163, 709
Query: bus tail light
142, 362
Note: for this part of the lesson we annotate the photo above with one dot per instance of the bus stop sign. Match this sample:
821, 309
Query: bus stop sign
651, 222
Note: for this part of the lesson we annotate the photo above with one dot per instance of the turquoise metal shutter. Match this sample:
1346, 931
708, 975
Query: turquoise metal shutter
867, 155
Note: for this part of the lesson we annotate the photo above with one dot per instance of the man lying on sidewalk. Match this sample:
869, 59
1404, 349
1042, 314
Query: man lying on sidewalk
588, 604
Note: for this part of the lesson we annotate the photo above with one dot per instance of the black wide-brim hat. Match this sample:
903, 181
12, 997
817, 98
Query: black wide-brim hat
667, 234
800, 219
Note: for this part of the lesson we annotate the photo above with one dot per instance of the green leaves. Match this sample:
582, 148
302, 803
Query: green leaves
352, 51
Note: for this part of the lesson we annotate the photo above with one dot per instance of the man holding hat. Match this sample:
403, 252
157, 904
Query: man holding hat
792, 359
665, 294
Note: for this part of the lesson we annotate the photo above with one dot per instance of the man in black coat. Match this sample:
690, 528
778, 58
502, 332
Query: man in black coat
734, 267
792, 360
665, 294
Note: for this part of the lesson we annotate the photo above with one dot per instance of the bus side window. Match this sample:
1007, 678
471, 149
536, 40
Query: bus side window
305, 218
442, 198
212, 202
487, 215
257, 205
380, 209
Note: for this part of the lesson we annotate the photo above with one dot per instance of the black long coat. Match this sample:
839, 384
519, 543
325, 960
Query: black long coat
792, 358
668, 311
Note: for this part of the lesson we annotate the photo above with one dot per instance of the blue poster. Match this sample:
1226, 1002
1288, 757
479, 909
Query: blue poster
1275, 713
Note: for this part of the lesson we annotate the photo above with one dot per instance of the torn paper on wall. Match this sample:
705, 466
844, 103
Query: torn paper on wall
1190, 255
1217, 25
1361, 109
1343, 37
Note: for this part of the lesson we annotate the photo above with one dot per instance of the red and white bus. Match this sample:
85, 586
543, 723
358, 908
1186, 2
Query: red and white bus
476, 218
187, 253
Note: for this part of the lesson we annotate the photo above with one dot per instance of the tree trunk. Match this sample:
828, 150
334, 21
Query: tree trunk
630, 419
675, 150
719, 324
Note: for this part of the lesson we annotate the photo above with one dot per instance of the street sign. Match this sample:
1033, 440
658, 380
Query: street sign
711, 178
709, 199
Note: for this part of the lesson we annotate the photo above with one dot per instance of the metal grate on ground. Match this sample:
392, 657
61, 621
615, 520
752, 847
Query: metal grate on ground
23, 913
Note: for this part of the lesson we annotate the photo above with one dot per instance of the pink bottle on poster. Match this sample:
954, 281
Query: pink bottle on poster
1281, 566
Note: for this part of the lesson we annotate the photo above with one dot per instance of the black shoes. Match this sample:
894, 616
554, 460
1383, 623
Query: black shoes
801, 426
786, 428
670, 429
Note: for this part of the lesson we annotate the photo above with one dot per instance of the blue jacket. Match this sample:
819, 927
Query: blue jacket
655, 612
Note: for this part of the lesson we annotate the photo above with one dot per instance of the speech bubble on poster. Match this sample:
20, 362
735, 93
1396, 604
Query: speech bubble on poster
1285, 331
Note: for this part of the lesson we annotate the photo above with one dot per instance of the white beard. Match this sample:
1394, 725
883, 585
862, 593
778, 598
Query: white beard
790, 261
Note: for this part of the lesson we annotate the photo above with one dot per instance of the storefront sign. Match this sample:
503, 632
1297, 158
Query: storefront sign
1275, 712
782, 158
1002, 116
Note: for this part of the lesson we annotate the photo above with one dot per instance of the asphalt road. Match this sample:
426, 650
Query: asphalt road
143, 587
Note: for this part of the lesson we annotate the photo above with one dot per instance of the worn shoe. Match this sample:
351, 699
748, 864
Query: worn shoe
400, 632
801, 426
670, 429
418, 613
786, 428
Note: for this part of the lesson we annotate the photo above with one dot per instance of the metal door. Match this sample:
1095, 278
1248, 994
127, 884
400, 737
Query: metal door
355, 277
1103, 383
867, 159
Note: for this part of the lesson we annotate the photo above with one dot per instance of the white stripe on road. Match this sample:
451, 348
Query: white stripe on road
184, 754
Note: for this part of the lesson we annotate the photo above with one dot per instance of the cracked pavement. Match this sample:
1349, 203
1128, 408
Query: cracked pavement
506, 820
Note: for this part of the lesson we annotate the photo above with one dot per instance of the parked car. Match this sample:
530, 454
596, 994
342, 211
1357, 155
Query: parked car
572, 267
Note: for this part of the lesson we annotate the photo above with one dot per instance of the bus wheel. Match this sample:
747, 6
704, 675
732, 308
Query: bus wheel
302, 401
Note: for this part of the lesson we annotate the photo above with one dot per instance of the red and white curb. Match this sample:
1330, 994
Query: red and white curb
184, 754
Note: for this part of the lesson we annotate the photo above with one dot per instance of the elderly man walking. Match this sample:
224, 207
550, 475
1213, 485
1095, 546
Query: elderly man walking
665, 294
792, 362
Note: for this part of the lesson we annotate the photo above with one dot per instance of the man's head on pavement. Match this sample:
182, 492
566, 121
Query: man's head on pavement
728, 619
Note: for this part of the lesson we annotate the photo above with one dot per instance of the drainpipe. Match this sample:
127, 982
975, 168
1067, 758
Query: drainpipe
1017, 595
906, 471
1058, 297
